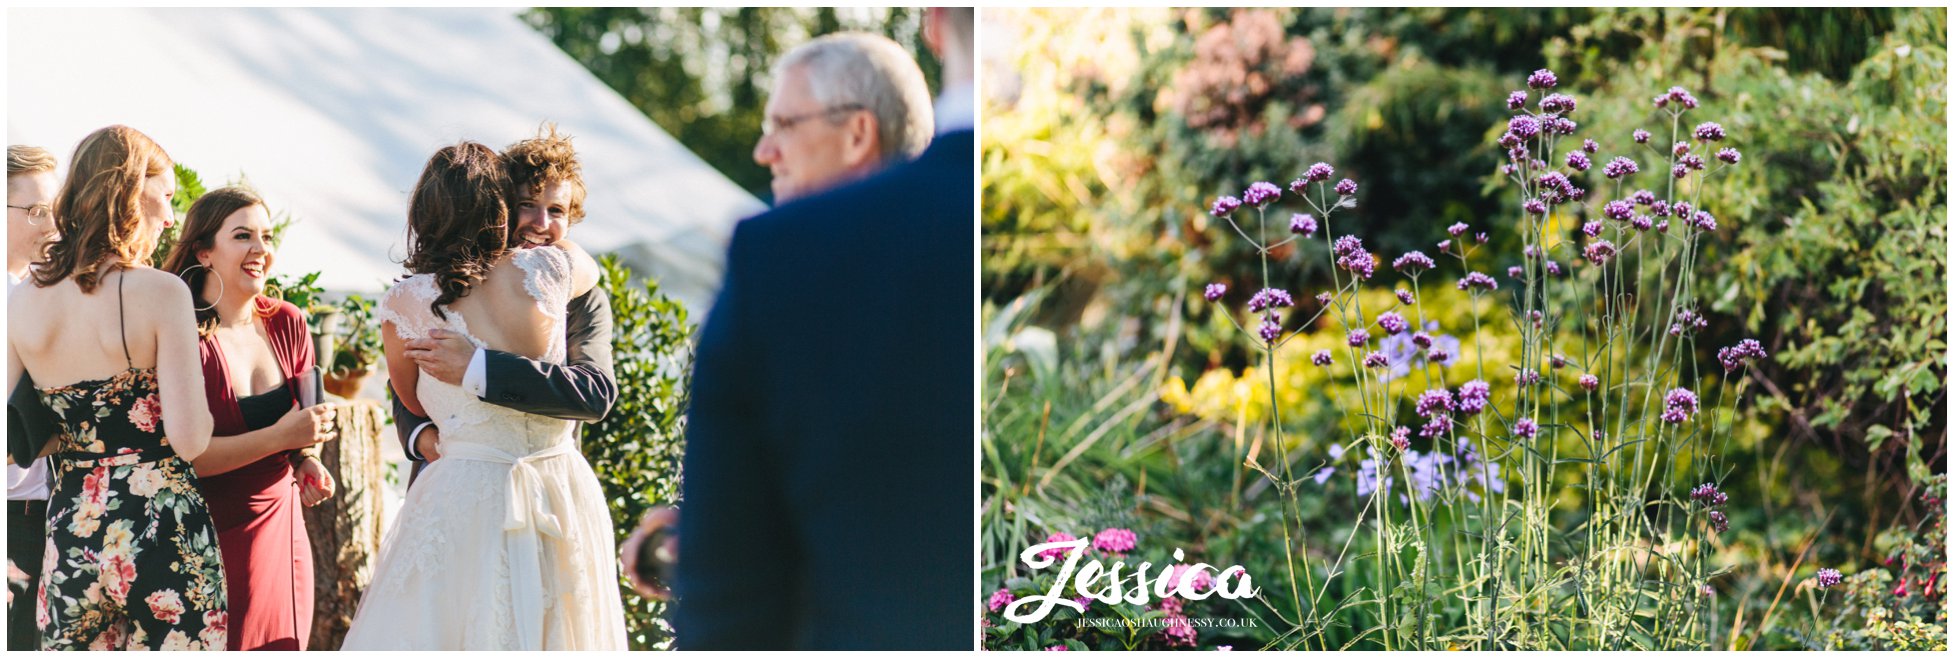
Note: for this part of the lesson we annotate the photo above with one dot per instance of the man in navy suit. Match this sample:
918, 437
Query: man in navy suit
829, 496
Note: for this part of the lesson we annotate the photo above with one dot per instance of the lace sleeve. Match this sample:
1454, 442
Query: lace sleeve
546, 275
406, 306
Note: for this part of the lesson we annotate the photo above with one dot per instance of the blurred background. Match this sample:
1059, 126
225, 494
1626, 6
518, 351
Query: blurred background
1114, 396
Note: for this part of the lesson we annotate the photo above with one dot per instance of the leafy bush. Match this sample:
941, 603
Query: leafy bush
637, 449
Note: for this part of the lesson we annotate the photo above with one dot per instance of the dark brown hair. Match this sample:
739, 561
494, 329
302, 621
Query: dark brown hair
541, 160
458, 219
98, 212
200, 226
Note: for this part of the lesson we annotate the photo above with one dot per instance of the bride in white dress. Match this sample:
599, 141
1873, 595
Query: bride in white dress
505, 542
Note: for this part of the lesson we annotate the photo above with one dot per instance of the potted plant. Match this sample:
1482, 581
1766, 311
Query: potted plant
358, 347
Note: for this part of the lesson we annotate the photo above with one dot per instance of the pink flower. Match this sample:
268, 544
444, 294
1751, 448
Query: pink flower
1179, 632
1201, 580
145, 412
165, 605
1056, 553
1057, 647
216, 628
1001, 598
1115, 540
117, 572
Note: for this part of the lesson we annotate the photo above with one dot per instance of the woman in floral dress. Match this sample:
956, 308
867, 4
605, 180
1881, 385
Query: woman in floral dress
132, 559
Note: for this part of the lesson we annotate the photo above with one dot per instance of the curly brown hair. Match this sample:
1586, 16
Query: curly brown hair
98, 212
458, 219
546, 158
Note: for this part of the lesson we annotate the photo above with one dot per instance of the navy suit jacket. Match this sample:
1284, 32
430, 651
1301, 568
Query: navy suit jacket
830, 455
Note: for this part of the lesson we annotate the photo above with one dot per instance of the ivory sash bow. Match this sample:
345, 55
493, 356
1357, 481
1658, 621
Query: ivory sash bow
532, 508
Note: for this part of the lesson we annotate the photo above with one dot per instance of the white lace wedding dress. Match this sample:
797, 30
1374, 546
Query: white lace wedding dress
505, 541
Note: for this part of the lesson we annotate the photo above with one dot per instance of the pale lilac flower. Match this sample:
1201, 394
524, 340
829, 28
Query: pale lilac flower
1214, 291
1641, 136
1729, 155
1709, 131
1688, 321
1404, 297
1321, 358
1526, 428
1261, 194
1590, 382
1303, 224
1115, 540
1358, 337
1678, 405
1542, 79
1224, 205
1417, 261
1392, 322
1478, 281
1346, 187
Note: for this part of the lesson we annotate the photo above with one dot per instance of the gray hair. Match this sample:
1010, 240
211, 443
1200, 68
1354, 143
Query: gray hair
876, 73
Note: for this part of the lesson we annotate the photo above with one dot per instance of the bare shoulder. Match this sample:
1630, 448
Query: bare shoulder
154, 285
583, 268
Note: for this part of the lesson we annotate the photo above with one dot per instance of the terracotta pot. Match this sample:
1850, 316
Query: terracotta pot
347, 385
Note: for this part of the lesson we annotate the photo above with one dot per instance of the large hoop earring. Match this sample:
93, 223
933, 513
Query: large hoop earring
220, 285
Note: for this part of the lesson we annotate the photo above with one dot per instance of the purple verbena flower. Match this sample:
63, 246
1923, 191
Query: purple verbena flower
1678, 406
1270, 330
1619, 167
1518, 153
1709, 131
1829, 578
1350, 255
1303, 224
1642, 197
1590, 382
1640, 222
1534, 207
1679, 149
1590, 147
1703, 221
1376, 360
1557, 361
1617, 210
1404, 297
1346, 187
1516, 100
1224, 205
1679, 171
1736, 356
1457, 229
1659, 208
1578, 161
1557, 103
1421, 339
1553, 268
1526, 377
1515, 272
1321, 358
1641, 136
1599, 251
1358, 337
1561, 126
1261, 193
1523, 126
1593, 229
1693, 161
1417, 261
1434, 402
1214, 291
1324, 298
1401, 438
1729, 155
1392, 323
1270, 298
1477, 281
1319, 172
1718, 521
1474, 396
1526, 428
1662, 226
1480, 237
1542, 79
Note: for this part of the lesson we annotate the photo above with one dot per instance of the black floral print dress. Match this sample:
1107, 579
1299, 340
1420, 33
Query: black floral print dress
132, 558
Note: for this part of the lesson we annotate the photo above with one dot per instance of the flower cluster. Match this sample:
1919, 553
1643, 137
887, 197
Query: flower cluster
1736, 356
1118, 541
1269, 298
1619, 167
1261, 194
1406, 352
1214, 291
1526, 428
1829, 578
1707, 495
1478, 281
1413, 262
1351, 256
1317, 173
1678, 405
1303, 224
1687, 321
1676, 95
1392, 322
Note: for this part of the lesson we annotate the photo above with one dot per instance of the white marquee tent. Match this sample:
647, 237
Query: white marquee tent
331, 114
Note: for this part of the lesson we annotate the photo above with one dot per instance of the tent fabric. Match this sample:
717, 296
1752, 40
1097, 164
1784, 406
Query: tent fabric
332, 113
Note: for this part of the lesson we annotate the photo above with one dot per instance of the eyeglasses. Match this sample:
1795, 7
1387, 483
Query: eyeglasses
37, 211
770, 125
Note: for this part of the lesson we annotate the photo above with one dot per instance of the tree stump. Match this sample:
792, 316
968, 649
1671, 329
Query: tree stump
345, 529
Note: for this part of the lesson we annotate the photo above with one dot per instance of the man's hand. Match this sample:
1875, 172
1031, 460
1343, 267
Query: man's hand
428, 443
658, 525
442, 354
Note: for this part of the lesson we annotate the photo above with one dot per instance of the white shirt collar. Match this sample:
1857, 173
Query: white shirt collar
956, 109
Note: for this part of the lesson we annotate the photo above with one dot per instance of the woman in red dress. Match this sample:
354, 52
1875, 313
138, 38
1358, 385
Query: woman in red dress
258, 470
